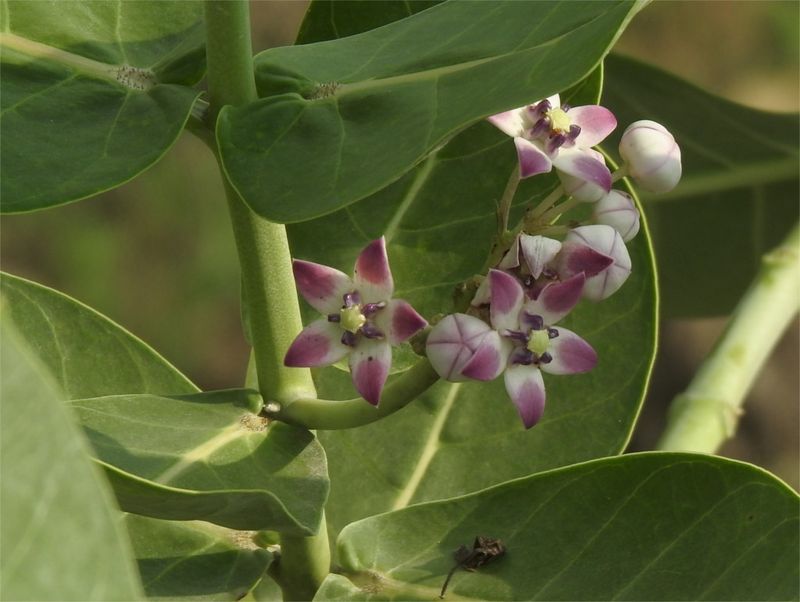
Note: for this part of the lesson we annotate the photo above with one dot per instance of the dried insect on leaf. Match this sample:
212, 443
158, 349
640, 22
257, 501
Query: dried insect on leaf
484, 550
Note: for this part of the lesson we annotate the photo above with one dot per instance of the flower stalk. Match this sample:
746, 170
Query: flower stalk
706, 414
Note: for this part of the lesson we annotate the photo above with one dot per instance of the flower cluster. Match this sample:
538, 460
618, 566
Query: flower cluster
511, 327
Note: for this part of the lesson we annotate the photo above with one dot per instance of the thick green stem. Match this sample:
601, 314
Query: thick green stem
267, 279
705, 415
331, 415
304, 563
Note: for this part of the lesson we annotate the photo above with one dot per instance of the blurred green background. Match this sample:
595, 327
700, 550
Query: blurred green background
157, 255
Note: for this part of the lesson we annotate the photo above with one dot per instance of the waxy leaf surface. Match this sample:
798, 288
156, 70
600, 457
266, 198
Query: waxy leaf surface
738, 195
642, 527
93, 93
207, 456
61, 535
194, 560
345, 118
203, 456
87, 354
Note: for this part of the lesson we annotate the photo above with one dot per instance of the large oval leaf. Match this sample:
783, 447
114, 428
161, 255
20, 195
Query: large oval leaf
86, 353
373, 105
643, 527
61, 535
439, 221
738, 196
194, 560
219, 468
209, 457
93, 94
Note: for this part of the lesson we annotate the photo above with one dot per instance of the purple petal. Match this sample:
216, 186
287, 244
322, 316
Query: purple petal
509, 122
557, 299
369, 366
399, 321
570, 353
319, 344
596, 123
605, 240
321, 286
507, 297
373, 278
593, 177
525, 387
576, 257
538, 251
489, 358
532, 160
452, 343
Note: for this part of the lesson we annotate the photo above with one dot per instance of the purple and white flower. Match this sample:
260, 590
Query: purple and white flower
548, 134
522, 342
361, 319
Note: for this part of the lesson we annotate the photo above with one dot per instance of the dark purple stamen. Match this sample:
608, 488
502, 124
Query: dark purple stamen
371, 308
565, 108
534, 321
351, 299
574, 132
334, 317
539, 109
516, 335
555, 142
549, 273
349, 339
522, 356
371, 332
541, 128
545, 358
552, 333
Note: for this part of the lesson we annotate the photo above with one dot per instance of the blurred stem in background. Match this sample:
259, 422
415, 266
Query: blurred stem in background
706, 414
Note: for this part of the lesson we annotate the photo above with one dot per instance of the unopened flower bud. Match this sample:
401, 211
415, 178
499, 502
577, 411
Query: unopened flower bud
618, 210
653, 157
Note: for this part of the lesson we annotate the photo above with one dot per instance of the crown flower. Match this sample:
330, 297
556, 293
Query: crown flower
361, 319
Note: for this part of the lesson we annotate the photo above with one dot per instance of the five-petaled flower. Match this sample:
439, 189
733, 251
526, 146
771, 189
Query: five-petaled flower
522, 341
548, 134
361, 319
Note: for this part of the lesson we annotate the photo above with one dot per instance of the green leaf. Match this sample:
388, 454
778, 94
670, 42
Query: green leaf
207, 457
348, 117
738, 195
219, 465
61, 535
331, 19
93, 94
641, 527
461, 438
87, 354
195, 561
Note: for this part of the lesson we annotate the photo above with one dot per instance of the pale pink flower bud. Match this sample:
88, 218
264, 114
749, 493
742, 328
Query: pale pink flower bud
652, 156
618, 210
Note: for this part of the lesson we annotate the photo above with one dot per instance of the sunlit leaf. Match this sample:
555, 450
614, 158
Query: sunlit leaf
61, 534
641, 527
347, 117
194, 560
93, 93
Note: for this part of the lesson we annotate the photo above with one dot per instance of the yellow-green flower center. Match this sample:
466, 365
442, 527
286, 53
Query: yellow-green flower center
538, 342
351, 318
559, 120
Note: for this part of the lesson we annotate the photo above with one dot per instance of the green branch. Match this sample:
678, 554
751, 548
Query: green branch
706, 414
333, 415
